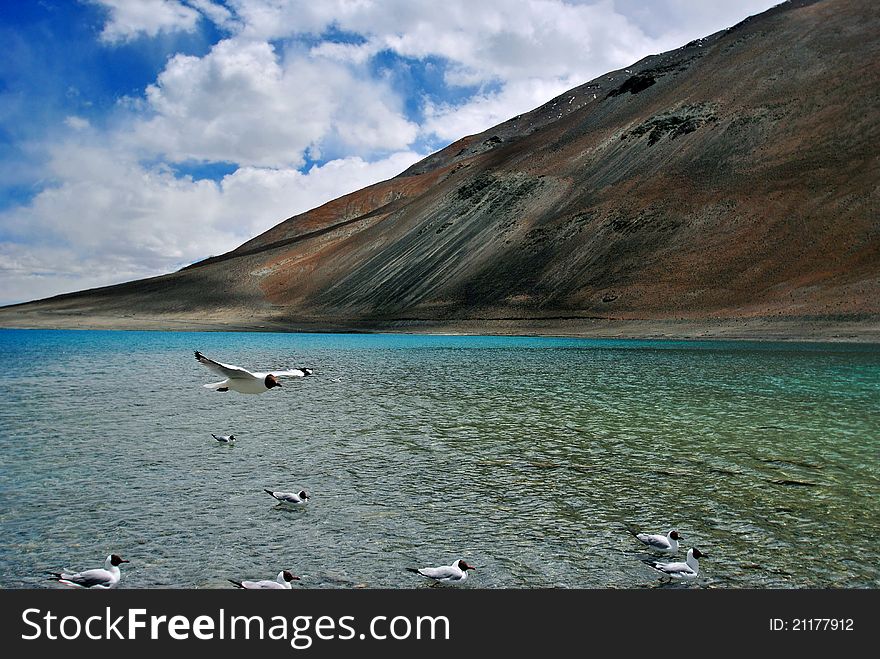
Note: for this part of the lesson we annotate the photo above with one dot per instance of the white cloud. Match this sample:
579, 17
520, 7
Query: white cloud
450, 122
525, 51
132, 18
76, 123
685, 20
538, 49
242, 103
216, 13
488, 40
113, 219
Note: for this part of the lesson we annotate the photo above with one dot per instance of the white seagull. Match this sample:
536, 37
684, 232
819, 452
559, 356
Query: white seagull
100, 578
295, 499
689, 570
664, 544
455, 573
224, 439
245, 382
282, 582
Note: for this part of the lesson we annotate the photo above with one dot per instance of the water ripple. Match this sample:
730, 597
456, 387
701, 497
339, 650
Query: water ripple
525, 456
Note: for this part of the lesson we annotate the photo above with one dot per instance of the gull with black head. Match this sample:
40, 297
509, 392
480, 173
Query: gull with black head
281, 582
448, 574
290, 498
663, 544
682, 571
244, 381
99, 578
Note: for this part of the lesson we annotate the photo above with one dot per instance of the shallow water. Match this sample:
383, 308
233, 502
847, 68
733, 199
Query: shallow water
522, 455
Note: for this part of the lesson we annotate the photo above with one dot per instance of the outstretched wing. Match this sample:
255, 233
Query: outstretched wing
292, 372
229, 371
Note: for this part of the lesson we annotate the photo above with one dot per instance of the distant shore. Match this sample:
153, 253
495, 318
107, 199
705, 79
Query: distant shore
865, 330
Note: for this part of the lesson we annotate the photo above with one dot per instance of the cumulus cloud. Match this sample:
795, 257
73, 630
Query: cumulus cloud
113, 219
128, 19
451, 122
246, 104
77, 123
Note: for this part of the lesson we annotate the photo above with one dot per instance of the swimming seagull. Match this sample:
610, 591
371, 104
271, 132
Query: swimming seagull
101, 578
664, 544
224, 439
297, 499
282, 582
245, 382
687, 570
455, 573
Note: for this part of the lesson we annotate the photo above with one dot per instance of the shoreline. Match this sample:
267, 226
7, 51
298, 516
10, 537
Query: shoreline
791, 330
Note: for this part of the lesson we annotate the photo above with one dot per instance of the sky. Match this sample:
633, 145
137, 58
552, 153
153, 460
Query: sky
139, 136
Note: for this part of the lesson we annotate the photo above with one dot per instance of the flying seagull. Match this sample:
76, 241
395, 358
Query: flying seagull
296, 499
243, 381
100, 578
688, 570
282, 582
455, 573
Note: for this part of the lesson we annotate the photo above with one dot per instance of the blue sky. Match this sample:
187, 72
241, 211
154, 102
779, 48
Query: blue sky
137, 136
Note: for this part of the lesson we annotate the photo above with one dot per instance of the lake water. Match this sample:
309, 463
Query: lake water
523, 456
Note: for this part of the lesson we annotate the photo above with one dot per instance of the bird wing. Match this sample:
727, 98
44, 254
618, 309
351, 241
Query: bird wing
290, 372
89, 578
654, 541
672, 568
442, 572
233, 372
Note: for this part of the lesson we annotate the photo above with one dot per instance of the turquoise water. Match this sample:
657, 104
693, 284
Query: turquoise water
523, 456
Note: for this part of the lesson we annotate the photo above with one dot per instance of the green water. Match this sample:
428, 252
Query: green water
523, 456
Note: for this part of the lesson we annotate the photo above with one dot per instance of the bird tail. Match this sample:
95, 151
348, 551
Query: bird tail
237, 584
215, 385
631, 528
55, 576
412, 569
270, 493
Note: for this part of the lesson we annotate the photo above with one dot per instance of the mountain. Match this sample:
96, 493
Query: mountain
725, 188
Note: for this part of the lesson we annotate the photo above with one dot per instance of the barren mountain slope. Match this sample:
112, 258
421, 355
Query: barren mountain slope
734, 178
